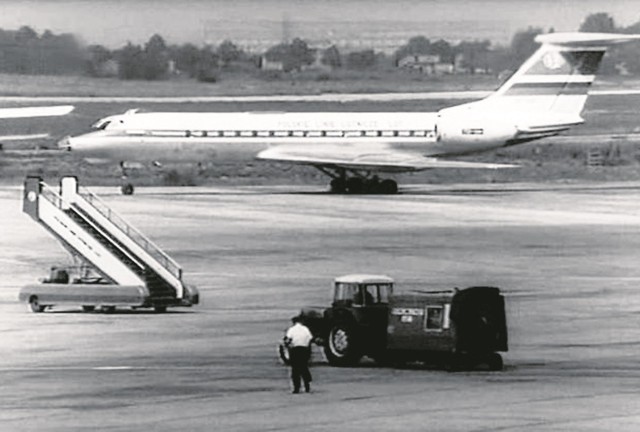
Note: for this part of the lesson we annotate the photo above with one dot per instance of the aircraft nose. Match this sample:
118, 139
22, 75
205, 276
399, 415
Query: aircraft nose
65, 143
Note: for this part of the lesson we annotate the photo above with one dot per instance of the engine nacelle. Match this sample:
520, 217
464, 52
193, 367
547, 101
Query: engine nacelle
463, 132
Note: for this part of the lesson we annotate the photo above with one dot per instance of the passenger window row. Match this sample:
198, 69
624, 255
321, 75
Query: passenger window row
295, 134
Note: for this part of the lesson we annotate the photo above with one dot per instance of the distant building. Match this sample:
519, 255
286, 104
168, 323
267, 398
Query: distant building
317, 64
171, 68
460, 65
443, 69
426, 64
271, 65
478, 65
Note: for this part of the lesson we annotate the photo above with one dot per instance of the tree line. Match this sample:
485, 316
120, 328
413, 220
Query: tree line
24, 51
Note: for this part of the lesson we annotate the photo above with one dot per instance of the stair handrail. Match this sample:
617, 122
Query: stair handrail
49, 193
134, 234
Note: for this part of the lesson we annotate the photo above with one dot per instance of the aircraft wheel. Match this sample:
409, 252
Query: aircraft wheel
371, 185
88, 308
338, 186
127, 189
35, 306
355, 185
388, 186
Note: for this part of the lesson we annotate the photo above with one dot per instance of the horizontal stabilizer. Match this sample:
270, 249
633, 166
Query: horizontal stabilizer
541, 128
576, 39
6, 113
24, 137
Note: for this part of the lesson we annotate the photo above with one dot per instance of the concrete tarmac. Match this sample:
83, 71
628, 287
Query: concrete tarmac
565, 256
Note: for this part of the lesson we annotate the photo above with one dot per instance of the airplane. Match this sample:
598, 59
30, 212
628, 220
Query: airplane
543, 98
30, 112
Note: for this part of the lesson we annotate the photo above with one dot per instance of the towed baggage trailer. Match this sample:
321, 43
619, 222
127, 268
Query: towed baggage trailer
458, 328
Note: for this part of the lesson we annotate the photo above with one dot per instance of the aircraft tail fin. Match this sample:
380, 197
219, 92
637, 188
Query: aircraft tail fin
556, 79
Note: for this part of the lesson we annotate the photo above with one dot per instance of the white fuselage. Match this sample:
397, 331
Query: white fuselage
166, 136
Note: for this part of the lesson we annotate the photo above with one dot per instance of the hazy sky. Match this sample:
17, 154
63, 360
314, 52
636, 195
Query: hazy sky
114, 22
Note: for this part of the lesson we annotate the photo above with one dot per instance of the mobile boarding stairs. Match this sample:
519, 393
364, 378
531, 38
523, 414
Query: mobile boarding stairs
115, 264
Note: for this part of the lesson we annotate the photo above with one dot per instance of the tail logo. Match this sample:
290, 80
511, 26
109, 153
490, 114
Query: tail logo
553, 60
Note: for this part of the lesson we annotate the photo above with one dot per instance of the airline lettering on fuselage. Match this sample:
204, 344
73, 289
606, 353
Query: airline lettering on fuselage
331, 124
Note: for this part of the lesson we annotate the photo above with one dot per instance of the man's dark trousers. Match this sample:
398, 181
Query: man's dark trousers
299, 357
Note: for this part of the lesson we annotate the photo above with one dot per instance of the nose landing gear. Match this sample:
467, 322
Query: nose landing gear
125, 187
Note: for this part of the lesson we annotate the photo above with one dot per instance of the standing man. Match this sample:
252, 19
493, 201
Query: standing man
298, 341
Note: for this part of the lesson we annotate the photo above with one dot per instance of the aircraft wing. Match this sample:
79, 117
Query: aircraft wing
381, 158
24, 137
22, 112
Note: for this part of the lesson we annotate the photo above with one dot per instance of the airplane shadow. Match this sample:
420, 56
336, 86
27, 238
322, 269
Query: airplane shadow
409, 190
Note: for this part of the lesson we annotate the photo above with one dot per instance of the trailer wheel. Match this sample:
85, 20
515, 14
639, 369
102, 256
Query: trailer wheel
88, 308
386, 359
160, 309
341, 346
495, 362
34, 305
457, 363
283, 354
108, 309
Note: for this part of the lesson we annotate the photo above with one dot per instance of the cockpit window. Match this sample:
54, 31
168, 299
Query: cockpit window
102, 125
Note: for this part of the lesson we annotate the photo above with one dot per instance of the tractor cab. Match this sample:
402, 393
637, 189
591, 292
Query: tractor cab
362, 290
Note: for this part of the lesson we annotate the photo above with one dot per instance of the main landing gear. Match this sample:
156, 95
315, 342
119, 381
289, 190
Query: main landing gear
359, 183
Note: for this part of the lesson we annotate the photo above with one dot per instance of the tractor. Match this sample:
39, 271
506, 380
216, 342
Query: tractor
460, 328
